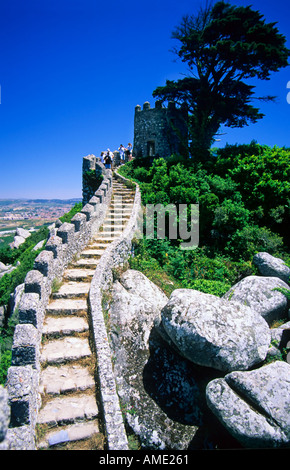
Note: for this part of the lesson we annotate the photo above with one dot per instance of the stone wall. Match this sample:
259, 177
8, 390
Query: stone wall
160, 131
91, 164
23, 375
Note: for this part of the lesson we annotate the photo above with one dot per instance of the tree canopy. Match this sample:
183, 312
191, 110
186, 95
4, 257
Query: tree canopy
223, 46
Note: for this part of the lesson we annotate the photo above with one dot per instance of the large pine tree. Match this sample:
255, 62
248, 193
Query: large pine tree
223, 46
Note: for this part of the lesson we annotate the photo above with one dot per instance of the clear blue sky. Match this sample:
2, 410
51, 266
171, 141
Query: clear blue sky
72, 72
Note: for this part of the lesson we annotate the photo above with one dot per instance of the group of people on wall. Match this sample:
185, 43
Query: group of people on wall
125, 155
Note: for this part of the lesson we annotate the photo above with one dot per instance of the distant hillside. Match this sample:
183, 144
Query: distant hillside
39, 201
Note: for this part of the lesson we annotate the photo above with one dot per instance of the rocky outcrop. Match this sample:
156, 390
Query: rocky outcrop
213, 332
268, 265
260, 294
158, 392
20, 236
6, 269
254, 405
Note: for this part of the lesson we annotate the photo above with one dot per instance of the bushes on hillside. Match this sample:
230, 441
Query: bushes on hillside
244, 191
243, 194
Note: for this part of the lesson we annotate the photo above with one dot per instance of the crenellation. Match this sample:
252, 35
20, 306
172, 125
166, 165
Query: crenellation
29, 309
33, 283
22, 389
61, 247
54, 244
88, 210
160, 131
44, 263
79, 221
66, 232
26, 343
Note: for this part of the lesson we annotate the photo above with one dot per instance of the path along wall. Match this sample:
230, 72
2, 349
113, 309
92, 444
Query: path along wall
115, 255
24, 374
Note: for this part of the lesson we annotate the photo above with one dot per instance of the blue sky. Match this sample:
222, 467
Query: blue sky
72, 72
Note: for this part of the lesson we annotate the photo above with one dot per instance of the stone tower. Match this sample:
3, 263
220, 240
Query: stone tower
159, 131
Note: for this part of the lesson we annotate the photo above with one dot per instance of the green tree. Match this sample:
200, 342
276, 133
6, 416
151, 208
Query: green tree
223, 46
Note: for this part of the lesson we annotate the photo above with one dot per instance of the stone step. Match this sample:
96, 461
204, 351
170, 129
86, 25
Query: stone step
122, 203
72, 290
63, 350
108, 236
112, 228
66, 306
91, 263
93, 252
71, 433
118, 215
65, 378
112, 221
69, 409
78, 274
64, 325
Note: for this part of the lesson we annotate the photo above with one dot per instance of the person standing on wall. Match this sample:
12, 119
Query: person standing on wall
122, 153
129, 152
108, 160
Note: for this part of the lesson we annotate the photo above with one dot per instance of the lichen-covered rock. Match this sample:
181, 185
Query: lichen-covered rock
260, 294
158, 392
254, 406
22, 232
18, 240
269, 265
214, 332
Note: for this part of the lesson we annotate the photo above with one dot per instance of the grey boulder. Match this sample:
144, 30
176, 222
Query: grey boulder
22, 232
213, 332
254, 406
154, 385
261, 295
269, 265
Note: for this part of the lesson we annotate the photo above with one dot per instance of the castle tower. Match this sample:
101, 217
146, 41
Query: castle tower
159, 131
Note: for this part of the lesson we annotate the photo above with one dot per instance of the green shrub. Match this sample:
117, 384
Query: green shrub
5, 363
217, 288
69, 215
248, 241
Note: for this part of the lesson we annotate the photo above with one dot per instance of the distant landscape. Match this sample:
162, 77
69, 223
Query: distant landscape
30, 214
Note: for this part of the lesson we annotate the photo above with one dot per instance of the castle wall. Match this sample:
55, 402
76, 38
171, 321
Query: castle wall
160, 131
24, 374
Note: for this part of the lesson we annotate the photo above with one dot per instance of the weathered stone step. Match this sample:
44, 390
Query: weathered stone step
124, 204
118, 215
72, 290
108, 236
66, 306
93, 252
114, 222
65, 378
69, 348
86, 262
64, 325
69, 409
75, 274
112, 228
71, 433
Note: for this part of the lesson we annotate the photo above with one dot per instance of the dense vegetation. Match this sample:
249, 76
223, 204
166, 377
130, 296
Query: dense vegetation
243, 193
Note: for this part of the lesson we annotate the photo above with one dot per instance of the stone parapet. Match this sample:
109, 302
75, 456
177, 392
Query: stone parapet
24, 373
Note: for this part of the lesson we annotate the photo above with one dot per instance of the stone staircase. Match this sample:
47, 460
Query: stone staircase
69, 417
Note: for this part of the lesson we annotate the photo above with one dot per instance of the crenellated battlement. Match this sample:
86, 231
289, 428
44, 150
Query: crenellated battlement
160, 131
66, 242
